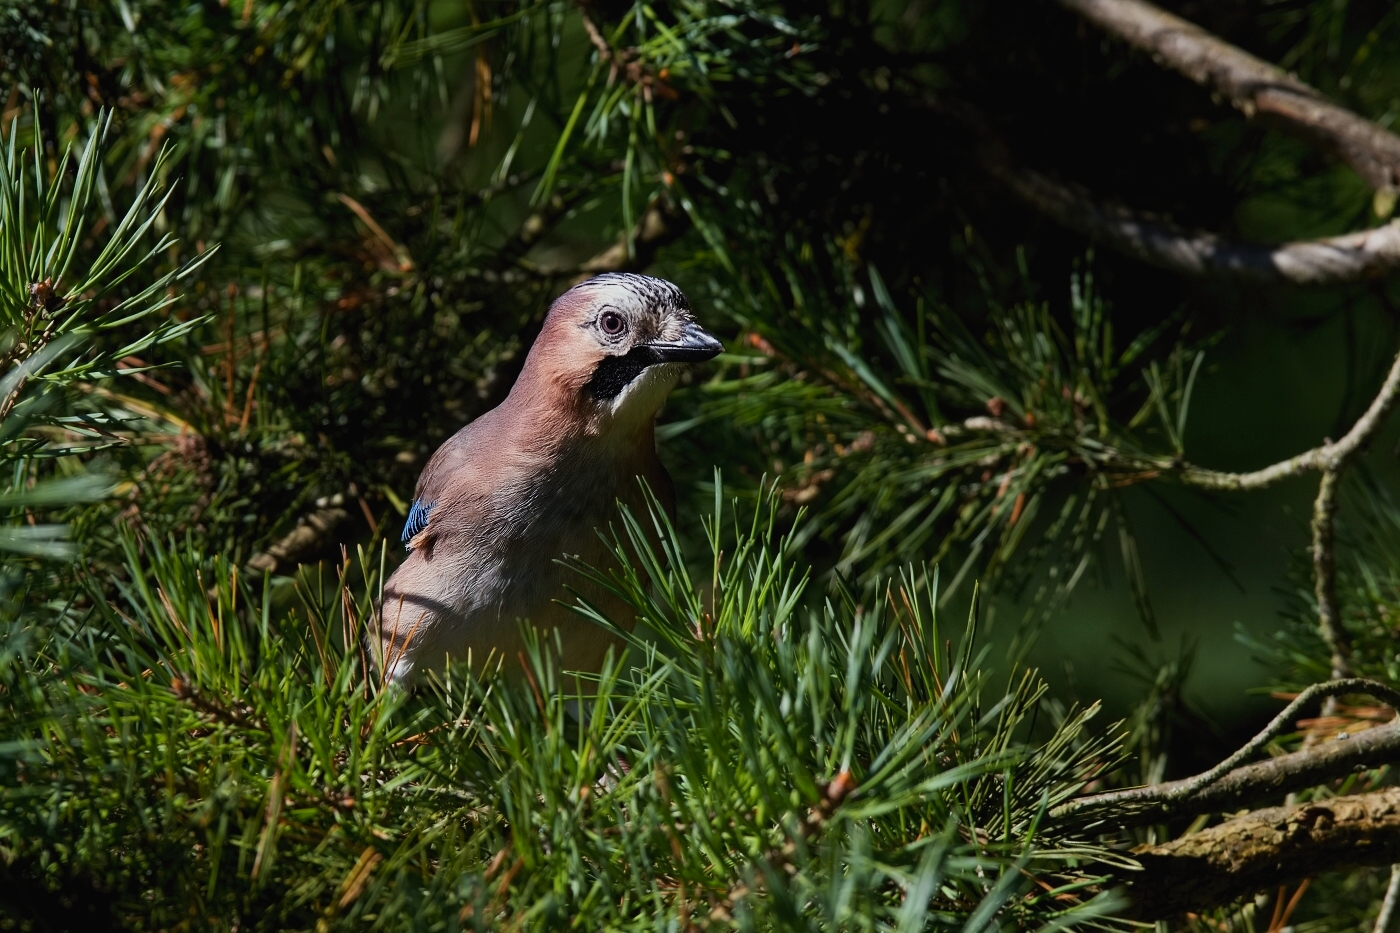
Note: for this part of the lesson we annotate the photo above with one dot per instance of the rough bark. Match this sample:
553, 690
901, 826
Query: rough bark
1262, 850
1255, 87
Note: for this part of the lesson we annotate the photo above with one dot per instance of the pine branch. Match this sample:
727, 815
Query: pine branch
1264, 849
1336, 260
1232, 783
1254, 87
1328, 457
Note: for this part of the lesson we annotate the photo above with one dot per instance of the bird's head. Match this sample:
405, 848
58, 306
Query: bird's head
613, 344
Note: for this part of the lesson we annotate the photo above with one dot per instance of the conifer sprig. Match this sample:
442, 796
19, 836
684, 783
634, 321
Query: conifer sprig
756, 766
69, 314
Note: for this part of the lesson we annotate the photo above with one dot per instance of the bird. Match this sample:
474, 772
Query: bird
534, 480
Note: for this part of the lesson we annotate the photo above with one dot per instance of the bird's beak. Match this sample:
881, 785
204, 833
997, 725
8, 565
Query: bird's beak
696, 345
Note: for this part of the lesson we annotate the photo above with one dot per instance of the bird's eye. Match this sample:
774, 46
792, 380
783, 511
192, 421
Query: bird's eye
612, 323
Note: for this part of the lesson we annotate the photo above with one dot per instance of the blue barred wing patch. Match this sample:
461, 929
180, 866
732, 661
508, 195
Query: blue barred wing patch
417, 519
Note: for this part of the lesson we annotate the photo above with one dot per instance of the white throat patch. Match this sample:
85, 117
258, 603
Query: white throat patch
640, 399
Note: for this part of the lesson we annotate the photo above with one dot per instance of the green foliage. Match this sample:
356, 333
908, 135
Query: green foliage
58, 322
756, 765
400, 188
958, 443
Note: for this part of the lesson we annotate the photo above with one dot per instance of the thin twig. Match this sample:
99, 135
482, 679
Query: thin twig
1329, 616
621, 61
241, 717
1330, 456
1331, 459
1388, 920
1183, 790
1264, 781
595, 35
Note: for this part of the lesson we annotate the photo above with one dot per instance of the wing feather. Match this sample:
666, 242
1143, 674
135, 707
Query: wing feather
417, 520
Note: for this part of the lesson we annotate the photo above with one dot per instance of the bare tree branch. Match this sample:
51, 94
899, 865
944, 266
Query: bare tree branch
1264, 849
1255, 87
1327, 261
1159, 242
1329, 612
1330, 456
1251, 785
1178, 798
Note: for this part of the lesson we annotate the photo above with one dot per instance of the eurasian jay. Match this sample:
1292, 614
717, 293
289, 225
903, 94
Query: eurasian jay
536, 478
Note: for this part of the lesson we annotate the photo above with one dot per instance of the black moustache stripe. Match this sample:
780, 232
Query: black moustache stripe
615, 373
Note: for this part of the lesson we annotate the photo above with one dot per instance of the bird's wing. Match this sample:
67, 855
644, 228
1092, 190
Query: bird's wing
452, 470
417, 520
